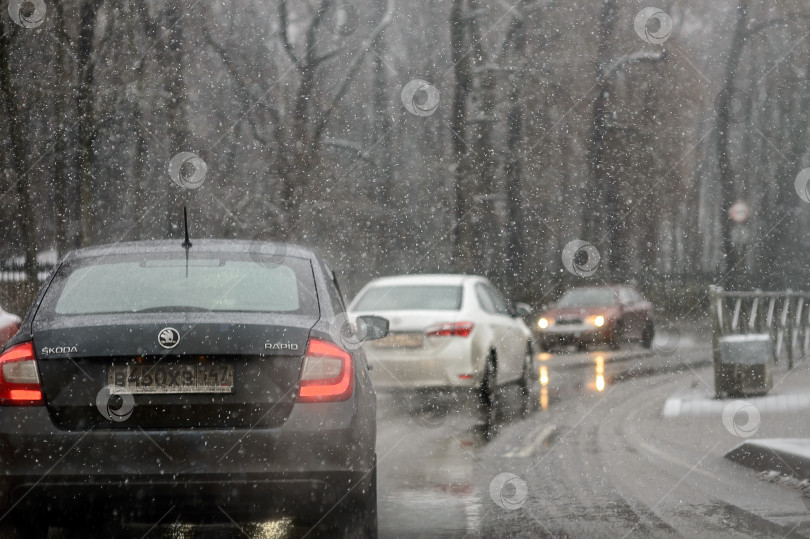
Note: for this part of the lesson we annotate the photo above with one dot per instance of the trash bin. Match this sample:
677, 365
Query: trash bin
743, 365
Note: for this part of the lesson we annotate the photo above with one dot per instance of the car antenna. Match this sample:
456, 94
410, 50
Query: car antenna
186, 242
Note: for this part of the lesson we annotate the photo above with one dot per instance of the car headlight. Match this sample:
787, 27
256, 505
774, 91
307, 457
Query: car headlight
542, 323
599, 321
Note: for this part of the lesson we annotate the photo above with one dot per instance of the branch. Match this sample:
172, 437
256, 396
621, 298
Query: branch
150, 30
359, 149
247, 94
150, 27
104, 40
285, 38
759, 27
635, 58
352, 71
328, 55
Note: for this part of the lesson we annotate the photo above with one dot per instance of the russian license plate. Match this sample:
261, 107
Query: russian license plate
401, 340
182, 378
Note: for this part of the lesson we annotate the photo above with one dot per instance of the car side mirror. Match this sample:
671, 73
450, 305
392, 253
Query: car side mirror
522, 309
371, 327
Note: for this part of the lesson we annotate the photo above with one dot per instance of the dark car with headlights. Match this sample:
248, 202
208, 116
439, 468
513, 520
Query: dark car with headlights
597, 315
151, 382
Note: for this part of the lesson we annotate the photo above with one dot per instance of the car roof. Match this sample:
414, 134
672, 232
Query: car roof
425, 279
198, 245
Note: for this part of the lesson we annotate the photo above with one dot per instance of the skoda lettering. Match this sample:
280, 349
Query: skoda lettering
59, 350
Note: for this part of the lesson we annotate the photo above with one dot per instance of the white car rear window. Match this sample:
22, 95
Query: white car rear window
410, 298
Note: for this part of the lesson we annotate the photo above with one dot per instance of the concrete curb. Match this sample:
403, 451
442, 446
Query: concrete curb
788, 456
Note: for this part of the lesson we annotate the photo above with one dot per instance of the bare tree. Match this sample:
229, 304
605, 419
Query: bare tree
85, 109
177, 97
604, 185
308, 121
19, 162
723, 124
462, 240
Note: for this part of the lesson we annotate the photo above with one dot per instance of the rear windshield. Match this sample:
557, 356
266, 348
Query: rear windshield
159, 282
588, 297
410, 298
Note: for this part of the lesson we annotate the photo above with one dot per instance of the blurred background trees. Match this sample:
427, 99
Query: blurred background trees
536, 123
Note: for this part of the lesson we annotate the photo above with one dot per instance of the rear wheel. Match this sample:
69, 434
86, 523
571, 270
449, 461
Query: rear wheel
488, 392
527, 381
488, 383
617, 336
648, 335
355, 516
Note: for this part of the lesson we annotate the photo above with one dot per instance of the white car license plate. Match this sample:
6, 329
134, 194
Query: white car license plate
182, 378
401, 340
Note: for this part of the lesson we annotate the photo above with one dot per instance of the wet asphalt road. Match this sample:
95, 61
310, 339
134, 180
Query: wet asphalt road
593, 458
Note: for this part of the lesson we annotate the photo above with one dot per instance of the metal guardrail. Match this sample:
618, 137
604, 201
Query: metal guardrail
785, 316
16, 276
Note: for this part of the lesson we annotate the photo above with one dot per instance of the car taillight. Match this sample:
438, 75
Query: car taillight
450, 329
327, 375
19, 378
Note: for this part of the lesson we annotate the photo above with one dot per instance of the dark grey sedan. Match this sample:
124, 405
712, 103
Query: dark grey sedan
153, 382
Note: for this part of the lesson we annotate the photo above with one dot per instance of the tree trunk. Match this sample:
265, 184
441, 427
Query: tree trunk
85, 109
175, 113
515, 248
723, 137
462, 243
482, 216
595, 192
382, 129
18, 163
775, 247
61, 174
487, 260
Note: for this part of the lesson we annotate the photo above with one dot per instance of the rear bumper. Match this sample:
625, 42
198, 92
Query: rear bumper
576, 334
153, 498
298, 469
456, 365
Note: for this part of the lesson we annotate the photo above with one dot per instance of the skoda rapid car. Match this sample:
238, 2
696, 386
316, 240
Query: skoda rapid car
597, 315
151, 382
447, 332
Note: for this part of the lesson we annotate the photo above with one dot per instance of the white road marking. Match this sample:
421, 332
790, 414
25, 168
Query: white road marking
540, 436
658, 452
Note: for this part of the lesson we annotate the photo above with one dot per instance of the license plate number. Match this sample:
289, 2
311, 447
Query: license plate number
185, 378
401, 340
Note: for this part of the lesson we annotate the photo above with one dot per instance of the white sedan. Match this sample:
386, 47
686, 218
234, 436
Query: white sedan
446, 331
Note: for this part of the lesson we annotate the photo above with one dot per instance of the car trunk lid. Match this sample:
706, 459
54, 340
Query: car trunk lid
165, 370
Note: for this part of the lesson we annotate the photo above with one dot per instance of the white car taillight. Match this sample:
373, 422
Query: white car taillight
450, 329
